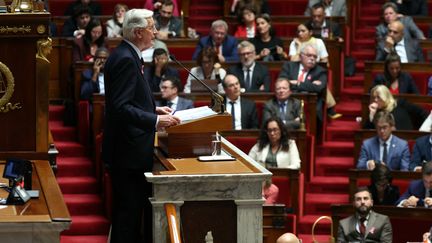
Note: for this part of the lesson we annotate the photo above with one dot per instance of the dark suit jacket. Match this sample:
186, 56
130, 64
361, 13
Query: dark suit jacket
130, 118
410, 29
249, 117
271, 108
391, 195
416, 188
421, 152
229, 47
330, 27
260, 75
406, 83
412, 48
175, 24
182, 104
154, 81
290, 71
88, 87
412, 8
398, 156
378, 229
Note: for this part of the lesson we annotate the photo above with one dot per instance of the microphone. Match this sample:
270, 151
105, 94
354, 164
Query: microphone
217, 104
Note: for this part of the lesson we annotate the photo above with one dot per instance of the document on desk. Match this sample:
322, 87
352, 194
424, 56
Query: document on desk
194, 113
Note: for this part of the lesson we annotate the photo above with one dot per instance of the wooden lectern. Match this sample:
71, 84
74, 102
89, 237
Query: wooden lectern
224, 197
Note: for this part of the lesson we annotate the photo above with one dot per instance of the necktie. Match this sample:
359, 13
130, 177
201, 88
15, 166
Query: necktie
248, 79
362, 227
384, 157
282, 111
302, 75
233, 113
169, 104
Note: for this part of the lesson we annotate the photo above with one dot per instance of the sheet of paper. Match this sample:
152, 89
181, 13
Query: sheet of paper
194, 113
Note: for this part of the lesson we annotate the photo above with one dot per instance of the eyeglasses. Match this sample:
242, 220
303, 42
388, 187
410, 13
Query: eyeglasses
246, 53
310, 55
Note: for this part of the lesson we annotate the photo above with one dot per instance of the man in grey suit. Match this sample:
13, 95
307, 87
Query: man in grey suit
365, 225
168, 25
408, 49
253, 76
283, 105
170, 86
332, 7
242, 110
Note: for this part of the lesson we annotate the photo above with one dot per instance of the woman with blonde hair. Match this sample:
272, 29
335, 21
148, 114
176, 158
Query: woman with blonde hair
407, 116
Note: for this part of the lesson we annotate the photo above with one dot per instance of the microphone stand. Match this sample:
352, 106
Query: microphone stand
217, 104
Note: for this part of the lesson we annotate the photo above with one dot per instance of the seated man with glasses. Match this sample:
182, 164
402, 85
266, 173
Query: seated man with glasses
169, 88
253, 76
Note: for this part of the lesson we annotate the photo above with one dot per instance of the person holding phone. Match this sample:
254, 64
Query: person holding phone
92, 80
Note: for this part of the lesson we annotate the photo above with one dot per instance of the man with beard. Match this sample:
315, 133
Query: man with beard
168, 25
365, 225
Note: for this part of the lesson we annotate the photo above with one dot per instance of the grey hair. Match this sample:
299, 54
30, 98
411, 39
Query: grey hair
246, 44
218, 23
302, 50
135, 18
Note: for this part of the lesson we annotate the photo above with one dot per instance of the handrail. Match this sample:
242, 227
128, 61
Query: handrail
173, 226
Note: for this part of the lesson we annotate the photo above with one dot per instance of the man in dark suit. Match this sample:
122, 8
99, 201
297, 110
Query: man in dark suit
92, 80
159, 68
225, 45
242, 110
253, 76
131, 120
365, 225
385, 148
419, 193
307, 76
422, 152
323, 28
283, 106
412, 7
170, 86
168, 25
408, 49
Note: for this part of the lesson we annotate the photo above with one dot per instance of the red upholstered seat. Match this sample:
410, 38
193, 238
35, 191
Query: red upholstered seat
243, 143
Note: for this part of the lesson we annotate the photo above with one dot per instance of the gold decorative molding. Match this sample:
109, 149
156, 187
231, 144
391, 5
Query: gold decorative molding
7, 89
14, 29
44, 48
41, 29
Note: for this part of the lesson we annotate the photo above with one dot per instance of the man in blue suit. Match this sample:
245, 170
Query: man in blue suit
384, 148
422, 152
170, 86
225, 45
131, 120
419, 193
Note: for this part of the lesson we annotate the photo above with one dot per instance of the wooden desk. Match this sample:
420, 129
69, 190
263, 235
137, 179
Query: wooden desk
38, 220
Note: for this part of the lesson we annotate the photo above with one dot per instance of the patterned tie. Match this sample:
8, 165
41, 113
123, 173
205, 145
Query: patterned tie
248, 79
384, 156
233, 113
302, 75
282, 111
362, 226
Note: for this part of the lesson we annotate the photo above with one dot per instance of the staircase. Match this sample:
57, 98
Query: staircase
202, 13
78, 184
334, 157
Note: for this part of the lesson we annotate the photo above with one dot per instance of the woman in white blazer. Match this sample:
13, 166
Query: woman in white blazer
274, 148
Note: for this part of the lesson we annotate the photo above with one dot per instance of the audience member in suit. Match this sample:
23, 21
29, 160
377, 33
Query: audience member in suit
412, 7
92, 80
408, 49
332, 7
114, 25
243, 111
422, 152
324, 28
76, 24
307, 76
169, 88
394, 79
208, 69
159, 69
383, 192
268, 46
365, 225
247, 26
168, 25
385, 148
419, 192
275, 148
288, 238
390, 14
224, 44
131, 120
406, 115
287, 108
253, 76
86, 46
94, 7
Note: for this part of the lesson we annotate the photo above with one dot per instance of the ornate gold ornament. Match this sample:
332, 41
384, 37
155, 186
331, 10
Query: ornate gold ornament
41, 29
14, 29
7, 85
